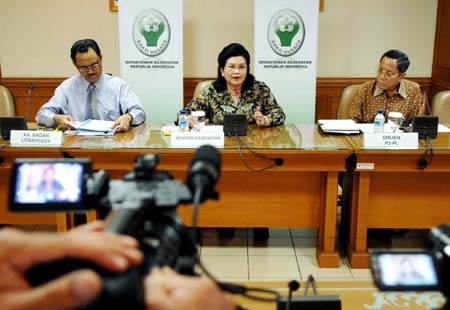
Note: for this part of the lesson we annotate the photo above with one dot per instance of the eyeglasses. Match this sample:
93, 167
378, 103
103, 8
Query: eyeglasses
238, 68
389, 75
86, 68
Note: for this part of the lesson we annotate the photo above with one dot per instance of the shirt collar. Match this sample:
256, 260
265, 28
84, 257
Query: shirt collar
97, 84
401, 90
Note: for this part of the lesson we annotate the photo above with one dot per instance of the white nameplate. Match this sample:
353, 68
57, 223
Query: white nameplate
196, 139
365, 166
36, 138
390, 140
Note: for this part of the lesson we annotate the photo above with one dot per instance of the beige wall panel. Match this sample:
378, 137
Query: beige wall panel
35, 36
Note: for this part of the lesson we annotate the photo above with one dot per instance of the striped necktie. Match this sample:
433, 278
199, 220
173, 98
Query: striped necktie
91, 103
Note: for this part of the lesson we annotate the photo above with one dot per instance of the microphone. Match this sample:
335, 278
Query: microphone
30, 89
293, 286
279, 161
204, 171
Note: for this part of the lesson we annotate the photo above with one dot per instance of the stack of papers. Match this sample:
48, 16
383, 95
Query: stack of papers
93, 127
339, 126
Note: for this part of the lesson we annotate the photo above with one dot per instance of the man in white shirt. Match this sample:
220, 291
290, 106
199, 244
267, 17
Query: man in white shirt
73, 99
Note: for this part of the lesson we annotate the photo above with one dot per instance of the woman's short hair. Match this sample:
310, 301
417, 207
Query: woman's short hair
232, 50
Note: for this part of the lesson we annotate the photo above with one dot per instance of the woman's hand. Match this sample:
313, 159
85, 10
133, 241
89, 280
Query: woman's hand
261, 120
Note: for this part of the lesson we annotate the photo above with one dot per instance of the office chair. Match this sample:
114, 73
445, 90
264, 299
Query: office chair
440, 106
347, 96
7, 106
200, 87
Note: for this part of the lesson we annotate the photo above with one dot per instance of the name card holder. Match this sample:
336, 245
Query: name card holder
195, 139
389, 140
36, 138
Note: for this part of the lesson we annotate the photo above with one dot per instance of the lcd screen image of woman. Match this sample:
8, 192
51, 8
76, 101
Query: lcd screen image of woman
48, 183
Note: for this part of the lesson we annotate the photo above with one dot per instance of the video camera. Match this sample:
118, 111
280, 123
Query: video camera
416, 271
142, 204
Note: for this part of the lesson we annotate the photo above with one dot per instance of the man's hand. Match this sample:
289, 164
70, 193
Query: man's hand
167, 290
123, 123
63, 120
19, 251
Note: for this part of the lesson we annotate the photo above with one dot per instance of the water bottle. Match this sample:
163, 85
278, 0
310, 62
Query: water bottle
378, 123
183, 121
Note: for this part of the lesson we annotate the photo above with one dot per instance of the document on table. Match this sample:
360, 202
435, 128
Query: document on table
339, 126
93, 127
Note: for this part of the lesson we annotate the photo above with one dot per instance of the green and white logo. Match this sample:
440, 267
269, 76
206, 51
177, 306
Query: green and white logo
286, 32
151, 32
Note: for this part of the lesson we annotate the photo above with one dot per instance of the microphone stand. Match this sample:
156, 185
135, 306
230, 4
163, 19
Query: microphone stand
30, 89
426, 100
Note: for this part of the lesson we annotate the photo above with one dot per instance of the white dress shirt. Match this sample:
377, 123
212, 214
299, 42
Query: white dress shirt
114, 98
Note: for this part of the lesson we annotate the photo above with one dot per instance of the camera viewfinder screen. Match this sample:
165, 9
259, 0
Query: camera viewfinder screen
415, 269
38, 183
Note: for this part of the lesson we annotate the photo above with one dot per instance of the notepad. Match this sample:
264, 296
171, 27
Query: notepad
338, 126
94, 127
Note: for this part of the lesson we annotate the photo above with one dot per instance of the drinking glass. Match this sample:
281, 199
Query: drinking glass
395, 120
198, 120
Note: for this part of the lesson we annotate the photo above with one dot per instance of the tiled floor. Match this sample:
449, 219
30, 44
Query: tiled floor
288, 254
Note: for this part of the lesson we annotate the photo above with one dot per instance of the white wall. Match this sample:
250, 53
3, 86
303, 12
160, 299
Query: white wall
353, 34
36, 36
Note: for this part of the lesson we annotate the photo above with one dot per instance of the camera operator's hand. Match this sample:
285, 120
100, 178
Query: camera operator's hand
19, 251
92, 226
167, 290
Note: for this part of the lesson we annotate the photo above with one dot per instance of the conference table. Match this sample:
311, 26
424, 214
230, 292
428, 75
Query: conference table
389, 189
302, 192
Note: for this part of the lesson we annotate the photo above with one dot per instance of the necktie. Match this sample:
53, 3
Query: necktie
91, 104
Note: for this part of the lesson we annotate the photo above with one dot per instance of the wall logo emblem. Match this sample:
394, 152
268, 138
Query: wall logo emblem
151, 32
286, 32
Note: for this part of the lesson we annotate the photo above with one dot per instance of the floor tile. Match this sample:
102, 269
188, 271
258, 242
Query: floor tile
226, 266
273, 246
305, 246
279, 279
274, 233
308, 265
214, 232
303, 232
270, 266
361, 274
228, 246
331, 279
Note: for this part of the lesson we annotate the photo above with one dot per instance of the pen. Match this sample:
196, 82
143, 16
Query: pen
58, 128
